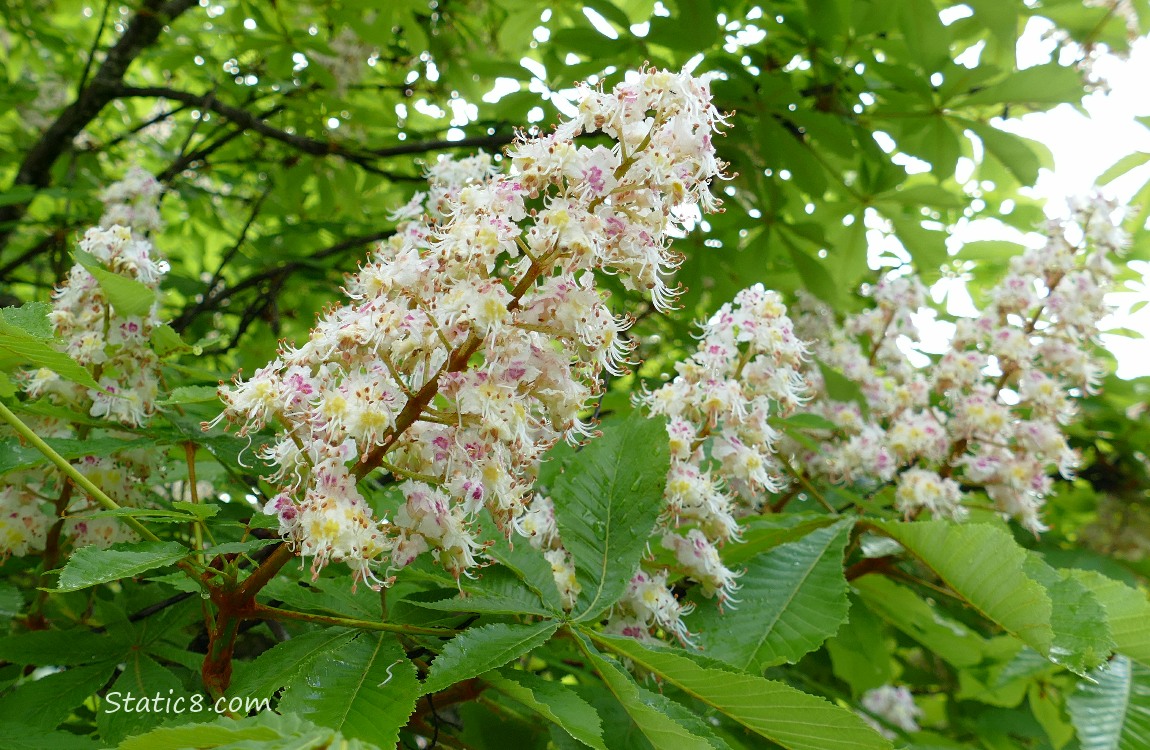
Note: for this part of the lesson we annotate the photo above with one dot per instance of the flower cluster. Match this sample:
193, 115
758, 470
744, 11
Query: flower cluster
472, 341
133, 202
115, 348
348, 60
988, 416
895, 705
746, 372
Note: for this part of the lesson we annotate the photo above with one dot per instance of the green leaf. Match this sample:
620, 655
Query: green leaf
841, 388
30, 318
238, 548
816, 278
15, 736
954, 643
807, 422
1081, 632
925, 36
606, 504
59, 647
926, 246
663, 731
983, 565
366, 689
197, 510
528, 565
166, 341
1127, 610
552, 700
778, 712
128, 297
191, 394
498, 591
89, 566
993, 250
791, 600
142, 676
24, 348
1016, 153
266, 731
1112, 710
1122, 166
279, 665
11, 601
859, 653
483, 648
14, 455
46, 702
1041, 84
764, 533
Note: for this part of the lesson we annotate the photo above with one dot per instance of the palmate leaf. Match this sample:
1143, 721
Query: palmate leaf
127, 296
792, 599
1127, 610
90, 566
16, 455
142, 676
1113, 711
277, 666
661, 730
1081, 631
267, 731
497, 591
860, 655
483, 648
366, 689
983, 565
44, 703
774, 710
552, 700
606, 504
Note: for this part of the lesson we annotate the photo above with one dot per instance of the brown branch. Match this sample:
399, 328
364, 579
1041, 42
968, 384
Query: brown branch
36, 169
870, 565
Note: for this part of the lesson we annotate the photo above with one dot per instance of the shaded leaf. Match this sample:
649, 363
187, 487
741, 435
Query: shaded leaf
983, 565
606, 504
793, 598
365, 689
778, 712
553, 701
483, 648
89, 566
1113, 711
279, 665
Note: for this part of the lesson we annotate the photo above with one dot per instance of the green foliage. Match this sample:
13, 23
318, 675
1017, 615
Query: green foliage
262, 732
553, 701
365, 689
776, 711
483, 648
281, 171
90, 566
1112, 711
606, 502
794, 597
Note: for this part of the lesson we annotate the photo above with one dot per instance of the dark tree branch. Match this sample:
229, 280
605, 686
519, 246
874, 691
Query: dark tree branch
36, 169
54, 239
275, 275
303, 143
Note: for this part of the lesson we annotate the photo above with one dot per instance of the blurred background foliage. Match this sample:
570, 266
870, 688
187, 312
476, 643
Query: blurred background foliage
864, 134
